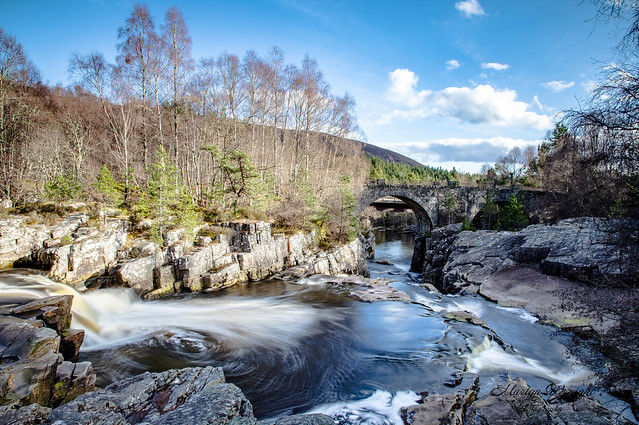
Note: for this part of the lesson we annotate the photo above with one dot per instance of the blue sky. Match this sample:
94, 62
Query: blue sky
446, 82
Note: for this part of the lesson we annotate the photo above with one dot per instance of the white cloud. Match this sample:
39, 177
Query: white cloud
402, 90
452, 64
558, 86
496, 66
482, 104
470, 8
537, 103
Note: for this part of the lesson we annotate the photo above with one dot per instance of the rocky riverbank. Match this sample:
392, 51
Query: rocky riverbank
86, 255
542, 268
40, 382
579, 274
513, 402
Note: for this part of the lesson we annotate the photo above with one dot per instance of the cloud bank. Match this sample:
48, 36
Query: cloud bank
482, 104
468, 154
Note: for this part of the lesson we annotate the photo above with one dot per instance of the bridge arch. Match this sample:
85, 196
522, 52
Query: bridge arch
425, 209
432, 207
424, 221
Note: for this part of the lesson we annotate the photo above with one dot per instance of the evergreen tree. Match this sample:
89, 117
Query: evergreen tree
513, 216
490, 212
449, 204
348, 221
169, 201
64, 187
108, 189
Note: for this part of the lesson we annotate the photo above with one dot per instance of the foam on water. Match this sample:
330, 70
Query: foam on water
489, 356
116, 316
381, 408
234, 322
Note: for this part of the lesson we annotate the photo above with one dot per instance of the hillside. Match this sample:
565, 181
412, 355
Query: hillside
388, 155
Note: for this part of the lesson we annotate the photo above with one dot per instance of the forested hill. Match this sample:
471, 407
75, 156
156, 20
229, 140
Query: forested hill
388, 155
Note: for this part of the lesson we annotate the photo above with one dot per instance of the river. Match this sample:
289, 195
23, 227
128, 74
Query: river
298, 347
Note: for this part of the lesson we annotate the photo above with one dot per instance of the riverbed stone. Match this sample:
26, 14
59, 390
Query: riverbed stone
367, 290
28, 362
70, 343
138, 273
15, 414
442, 408
54, 311
191, 395
72, 380
465, 317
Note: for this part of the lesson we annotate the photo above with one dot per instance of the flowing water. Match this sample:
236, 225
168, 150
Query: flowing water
298, 347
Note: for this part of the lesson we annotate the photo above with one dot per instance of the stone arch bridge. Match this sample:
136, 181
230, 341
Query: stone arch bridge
432, 204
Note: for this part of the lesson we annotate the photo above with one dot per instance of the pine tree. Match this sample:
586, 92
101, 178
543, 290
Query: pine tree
169, 201
108, 189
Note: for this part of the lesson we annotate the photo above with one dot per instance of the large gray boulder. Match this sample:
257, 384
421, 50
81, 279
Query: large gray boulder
580, 249
33, 349
186, 396
138, 273
28, 362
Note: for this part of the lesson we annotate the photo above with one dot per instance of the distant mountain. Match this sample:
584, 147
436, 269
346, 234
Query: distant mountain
388, 155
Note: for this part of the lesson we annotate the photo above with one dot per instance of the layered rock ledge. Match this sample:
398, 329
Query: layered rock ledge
539, 267
75, 253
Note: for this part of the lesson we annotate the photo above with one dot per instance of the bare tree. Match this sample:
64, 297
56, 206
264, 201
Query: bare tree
511, 165
106, 82
177, 44
16, 73
138, 45
230, 77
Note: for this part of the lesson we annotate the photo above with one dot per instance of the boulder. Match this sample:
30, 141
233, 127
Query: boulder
68, 225
186, 396
225, 277
367, 290
511, 402
15, 414
300, 247
514, 399
54, 311
70, 343
28, 363
441, 408
246, 236
90, 252
138, 273
72, 380
18, 239
582, 249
